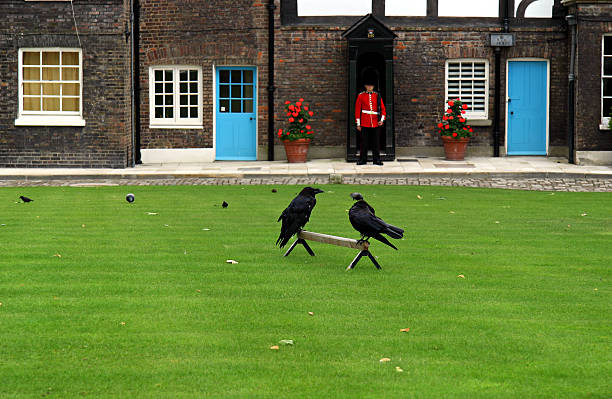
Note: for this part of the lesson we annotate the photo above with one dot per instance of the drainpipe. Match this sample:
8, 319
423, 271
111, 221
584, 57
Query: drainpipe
571, 21
497, 95
135, 81
271, 88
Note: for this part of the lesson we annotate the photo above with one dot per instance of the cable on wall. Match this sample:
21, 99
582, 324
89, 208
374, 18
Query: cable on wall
75, 24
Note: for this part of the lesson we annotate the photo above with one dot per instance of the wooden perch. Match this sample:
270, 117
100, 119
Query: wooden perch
362, 246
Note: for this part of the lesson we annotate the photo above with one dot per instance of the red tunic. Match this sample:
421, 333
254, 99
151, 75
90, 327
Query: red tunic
366, 109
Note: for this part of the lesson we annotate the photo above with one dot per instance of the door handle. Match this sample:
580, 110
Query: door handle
511, 112
251, 118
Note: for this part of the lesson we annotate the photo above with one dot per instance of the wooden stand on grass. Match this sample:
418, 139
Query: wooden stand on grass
363, 246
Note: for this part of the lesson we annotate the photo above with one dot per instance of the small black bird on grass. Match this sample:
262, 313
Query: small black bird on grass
25, 199
224, 204
297, 214
364, 220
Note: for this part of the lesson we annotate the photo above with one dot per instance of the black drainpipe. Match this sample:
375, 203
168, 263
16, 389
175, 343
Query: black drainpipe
497, 96
271, 88
135, 75
571, 21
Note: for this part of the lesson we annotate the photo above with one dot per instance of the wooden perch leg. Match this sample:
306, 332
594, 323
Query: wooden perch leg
304, 243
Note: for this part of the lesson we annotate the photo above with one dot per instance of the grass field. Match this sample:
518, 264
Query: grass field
506, 294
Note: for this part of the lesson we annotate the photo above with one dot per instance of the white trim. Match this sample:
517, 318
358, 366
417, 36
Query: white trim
177, 155
604, 119
49, 120
470, 115
176, 122
547, 99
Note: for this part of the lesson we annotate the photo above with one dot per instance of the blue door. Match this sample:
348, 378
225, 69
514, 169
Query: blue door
235, 114
527, 107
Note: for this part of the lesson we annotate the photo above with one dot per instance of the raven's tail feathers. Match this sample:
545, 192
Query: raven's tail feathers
394, 232
384, 240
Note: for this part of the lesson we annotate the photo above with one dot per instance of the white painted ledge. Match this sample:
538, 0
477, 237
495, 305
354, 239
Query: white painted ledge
177, 155
43, 120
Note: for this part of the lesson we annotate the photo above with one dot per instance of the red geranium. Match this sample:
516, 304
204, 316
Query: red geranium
453, 123
299, 116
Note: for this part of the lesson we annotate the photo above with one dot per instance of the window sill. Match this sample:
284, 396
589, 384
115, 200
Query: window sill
54, 120
176, 126
604, 127
480, 122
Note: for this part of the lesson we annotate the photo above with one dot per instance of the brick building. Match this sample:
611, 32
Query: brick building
202, 73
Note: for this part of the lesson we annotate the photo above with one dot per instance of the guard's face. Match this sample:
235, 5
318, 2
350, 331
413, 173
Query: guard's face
369, 87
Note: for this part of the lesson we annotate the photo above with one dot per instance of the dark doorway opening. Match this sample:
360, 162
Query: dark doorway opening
373, 64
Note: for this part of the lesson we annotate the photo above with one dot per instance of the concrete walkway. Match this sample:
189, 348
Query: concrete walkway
504, 172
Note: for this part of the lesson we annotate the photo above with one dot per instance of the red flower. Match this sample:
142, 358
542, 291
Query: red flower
288, 113
291, 107
451, 117
299, 104
445, 118
309, 133
454, 134
301, 131
449, 111
287, 133
308, 127
301, 100
464, 106
305, 107
447, 127
471, 131
287, 102
291, 119
440, 125
311, 113
451, 103
301, 120
295, 114
463, 112
462, 120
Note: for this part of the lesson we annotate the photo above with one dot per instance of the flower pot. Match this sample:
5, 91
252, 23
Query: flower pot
454, 149
296, 150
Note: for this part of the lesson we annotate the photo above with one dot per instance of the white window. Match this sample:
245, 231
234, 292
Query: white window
406, 8
175, 96
606, 80
50, 87
335, 7
468, 8
537, 9
468, 80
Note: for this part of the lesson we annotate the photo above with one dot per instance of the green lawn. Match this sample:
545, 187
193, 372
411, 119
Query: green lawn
506, 294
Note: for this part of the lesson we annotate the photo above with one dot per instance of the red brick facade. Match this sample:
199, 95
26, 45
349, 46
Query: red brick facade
310, 61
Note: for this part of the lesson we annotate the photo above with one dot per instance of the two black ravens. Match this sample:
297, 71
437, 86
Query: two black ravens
297, 214
364, 220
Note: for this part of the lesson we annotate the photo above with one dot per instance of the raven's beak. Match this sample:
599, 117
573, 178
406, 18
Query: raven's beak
318, 190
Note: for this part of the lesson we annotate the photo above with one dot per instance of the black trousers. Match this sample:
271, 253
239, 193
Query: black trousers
369, 140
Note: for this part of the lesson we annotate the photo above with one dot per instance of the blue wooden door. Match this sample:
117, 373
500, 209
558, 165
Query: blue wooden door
527, 107
235, 114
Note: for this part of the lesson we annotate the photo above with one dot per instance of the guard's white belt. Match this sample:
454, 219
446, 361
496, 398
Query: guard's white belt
370, 112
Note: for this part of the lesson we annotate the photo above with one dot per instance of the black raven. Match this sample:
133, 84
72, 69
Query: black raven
296, 215
364, 220
224, 204
25, 199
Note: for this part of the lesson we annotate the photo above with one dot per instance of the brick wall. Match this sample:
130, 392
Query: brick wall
591, 27
105, 140
206, 34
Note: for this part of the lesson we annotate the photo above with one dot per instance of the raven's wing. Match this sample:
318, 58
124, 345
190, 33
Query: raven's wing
294, 217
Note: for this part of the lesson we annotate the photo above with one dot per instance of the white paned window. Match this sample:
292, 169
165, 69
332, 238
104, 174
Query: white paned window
468, 8
50, 87
412, 8
606, 80
537, 9
468, 80
333, 7
175, 96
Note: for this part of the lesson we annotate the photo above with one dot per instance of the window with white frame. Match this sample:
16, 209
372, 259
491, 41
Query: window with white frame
406, 8
606, 79
50, 87
335, 7
468, 80
175, 95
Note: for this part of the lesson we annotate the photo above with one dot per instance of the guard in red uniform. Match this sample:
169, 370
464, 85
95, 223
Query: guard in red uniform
370, 114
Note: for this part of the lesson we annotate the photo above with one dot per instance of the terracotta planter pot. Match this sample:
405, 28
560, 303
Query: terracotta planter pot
296, 150
454, 149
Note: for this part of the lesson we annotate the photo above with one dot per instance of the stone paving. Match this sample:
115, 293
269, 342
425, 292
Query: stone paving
522, 173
